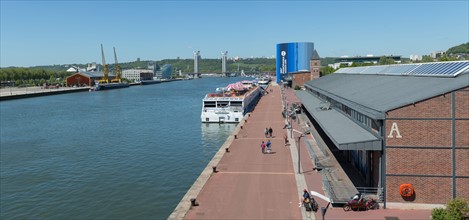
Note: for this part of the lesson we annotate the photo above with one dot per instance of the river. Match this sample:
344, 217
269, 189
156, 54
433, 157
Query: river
122, 154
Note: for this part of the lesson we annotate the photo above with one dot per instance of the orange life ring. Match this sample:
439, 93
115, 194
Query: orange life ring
406, 190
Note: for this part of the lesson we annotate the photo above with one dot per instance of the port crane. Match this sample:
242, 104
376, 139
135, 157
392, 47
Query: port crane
118, 69
105, 68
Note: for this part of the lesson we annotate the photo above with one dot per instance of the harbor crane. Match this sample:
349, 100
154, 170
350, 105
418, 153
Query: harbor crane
105, 68
118, 69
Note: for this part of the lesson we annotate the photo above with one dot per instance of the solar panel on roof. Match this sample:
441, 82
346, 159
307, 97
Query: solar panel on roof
443, 69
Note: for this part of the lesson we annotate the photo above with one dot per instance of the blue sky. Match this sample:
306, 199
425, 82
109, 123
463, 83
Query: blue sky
63, 32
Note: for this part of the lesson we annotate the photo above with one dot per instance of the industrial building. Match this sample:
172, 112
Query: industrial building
293, 57
404, 127
137, 74
86, 78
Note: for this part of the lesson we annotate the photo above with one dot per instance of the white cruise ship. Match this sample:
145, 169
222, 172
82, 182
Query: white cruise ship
231, 103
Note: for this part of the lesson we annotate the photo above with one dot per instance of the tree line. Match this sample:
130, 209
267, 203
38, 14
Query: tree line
31, 76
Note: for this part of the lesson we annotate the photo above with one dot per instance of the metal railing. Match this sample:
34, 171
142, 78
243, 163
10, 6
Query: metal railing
372, 192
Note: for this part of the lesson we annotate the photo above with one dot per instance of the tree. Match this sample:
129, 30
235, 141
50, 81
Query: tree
427, 59
326, 70
386, 60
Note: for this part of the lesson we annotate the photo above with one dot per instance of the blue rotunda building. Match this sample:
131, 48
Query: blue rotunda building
293, 57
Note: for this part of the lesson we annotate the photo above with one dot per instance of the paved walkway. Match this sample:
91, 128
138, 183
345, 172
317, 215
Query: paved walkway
249, 184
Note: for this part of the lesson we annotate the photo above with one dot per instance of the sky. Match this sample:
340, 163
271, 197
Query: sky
54, 32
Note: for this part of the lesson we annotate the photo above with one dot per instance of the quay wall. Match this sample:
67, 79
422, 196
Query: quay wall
21, 93
42, 93
185, 204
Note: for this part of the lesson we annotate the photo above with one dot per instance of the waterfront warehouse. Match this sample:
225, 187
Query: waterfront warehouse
403, 127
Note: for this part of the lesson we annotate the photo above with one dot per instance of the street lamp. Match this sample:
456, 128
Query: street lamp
299, 144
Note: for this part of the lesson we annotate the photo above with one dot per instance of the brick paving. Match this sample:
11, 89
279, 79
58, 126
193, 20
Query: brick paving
249, 184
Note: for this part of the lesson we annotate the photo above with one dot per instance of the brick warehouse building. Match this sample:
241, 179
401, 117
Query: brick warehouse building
301, 77
86, 78
401, 126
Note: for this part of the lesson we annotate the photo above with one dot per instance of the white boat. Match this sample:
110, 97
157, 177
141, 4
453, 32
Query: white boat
230, 104
264, 81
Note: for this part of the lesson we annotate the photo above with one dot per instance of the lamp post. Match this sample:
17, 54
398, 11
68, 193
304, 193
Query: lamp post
299, 144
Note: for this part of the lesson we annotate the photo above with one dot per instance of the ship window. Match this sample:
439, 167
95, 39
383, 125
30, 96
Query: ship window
209, 104
222, 104
206, 119
236, 103
236, 119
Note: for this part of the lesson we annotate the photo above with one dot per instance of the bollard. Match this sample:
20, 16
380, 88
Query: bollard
214, 169
249, 115
227, 150
193, 202
241, 127
245, 121
236, 136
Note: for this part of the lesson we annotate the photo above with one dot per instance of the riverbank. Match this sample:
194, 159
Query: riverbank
11, 93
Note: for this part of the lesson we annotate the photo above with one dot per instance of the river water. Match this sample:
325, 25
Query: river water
122, 154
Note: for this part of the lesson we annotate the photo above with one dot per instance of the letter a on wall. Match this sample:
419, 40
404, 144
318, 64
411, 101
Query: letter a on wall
394, 128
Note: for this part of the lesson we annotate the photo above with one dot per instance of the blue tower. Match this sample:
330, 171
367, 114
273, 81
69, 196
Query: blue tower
293, 57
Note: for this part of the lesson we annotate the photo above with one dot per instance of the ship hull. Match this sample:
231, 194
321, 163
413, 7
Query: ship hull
230, 113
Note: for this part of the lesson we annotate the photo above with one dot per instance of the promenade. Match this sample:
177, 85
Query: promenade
250, 185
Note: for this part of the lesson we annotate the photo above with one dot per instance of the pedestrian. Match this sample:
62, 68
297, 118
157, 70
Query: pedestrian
263, 147
266, 131
268, 146
270, 131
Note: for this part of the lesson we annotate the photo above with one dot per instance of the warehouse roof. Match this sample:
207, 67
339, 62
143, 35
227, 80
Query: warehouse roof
346, 134
373, 94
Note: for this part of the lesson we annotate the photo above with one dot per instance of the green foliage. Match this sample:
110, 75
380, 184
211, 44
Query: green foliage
327, 60
427, 58
447, 58
326, 70
463, 48
438, 214
297, 87
31, 75
455, 210
386, 60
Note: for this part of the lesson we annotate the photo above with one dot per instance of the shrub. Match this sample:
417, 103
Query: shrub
455, 209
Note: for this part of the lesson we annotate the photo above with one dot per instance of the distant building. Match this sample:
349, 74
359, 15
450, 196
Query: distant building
137, 74
223, 61
165, 72
196, 61
415, 57
301, 77
86, 78
362, 59
152, 66
293, 57
437, 54
92, 67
